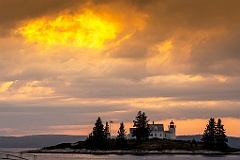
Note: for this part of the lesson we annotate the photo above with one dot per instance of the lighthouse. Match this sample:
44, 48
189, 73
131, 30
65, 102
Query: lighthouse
172, 130
157, 131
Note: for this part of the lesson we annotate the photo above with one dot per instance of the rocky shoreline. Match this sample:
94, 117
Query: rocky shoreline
133, 152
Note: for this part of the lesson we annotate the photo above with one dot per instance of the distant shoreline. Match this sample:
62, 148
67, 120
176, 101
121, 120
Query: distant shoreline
132, 152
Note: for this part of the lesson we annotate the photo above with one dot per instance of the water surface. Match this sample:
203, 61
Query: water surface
47, 156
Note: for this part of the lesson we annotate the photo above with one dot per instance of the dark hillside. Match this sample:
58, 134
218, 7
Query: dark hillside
37, 141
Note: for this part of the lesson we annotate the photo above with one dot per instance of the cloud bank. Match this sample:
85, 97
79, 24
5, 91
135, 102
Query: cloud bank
172, 59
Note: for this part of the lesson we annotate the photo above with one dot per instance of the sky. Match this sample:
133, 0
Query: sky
65, 63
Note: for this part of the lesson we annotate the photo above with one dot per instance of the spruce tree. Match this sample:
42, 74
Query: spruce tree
98, 129
97, 136
142, 130
121, 137
214, 136
121, 132
220, 136
107, 131
209, 134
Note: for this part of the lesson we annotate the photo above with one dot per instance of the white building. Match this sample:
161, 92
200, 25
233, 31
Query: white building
157, 131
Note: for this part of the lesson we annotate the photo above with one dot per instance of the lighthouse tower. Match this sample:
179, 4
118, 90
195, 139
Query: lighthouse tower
172, 130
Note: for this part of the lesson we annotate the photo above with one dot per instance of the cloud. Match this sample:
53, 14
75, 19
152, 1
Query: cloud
13, 12
54, 115
172, 59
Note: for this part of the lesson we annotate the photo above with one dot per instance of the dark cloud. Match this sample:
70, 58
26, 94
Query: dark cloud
14, 11
196, 15
207, 28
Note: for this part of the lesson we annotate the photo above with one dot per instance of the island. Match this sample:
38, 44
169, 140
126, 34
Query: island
151, 146
147, 138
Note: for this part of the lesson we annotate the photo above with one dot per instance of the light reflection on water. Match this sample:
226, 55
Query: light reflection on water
132, 157
121, 157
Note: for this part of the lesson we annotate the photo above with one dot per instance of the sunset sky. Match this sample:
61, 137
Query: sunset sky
63, 63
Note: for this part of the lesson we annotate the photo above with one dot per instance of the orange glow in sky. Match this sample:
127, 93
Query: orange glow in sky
65, 63
79, 30
183, 127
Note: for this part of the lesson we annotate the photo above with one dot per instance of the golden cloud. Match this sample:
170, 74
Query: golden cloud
85, 29
5, 86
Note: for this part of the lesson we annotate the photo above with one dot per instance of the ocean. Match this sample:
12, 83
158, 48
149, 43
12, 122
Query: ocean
118, 157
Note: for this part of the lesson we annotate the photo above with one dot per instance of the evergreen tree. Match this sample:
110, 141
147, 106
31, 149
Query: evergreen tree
90, 137
214, 136
142, 130
121, 132
97, 137
209, 134
220, 136
121, 137
98, 129
107, 131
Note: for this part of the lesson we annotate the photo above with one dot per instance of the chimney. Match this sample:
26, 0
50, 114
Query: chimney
153, 122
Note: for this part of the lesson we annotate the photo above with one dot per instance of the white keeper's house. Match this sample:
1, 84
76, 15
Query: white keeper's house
157, 131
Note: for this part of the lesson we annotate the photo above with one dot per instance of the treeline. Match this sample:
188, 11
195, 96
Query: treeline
100, 135
214, 136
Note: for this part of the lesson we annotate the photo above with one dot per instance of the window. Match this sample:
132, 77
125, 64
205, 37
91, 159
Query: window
155, 134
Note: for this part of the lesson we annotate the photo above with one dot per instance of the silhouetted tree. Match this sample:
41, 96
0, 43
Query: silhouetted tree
121, 137
98, 129
90, 137
107, 131
121, 132
97, 138
142, 130
220, 136
209, 134
214, 136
